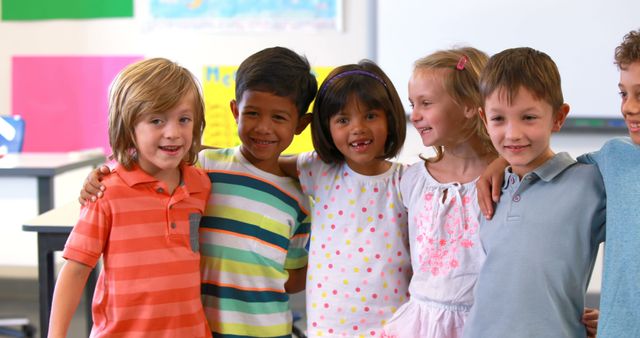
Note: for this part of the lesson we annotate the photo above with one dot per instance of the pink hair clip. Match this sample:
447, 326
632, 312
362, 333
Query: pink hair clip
462, 62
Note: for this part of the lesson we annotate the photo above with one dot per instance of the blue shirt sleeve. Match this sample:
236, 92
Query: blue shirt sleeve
589, 158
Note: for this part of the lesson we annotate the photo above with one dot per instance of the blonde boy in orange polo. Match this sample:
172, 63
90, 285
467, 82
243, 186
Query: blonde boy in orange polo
146, 226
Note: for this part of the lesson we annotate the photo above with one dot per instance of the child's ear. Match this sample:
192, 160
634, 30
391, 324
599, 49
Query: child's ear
560, 117
233, 105
470, 112
303, 122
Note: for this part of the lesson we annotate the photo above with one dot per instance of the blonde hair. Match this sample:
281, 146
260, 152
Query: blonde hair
145, 87
461, 82
629, 50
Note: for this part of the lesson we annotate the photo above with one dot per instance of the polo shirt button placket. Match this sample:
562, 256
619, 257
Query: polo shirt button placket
173, 225
516, 198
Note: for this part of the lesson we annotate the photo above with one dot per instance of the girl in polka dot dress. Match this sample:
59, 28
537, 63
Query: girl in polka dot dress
359, 264
440, 194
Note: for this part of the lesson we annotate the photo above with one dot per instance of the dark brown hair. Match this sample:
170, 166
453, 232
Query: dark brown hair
279, 71
366, 82
629, 50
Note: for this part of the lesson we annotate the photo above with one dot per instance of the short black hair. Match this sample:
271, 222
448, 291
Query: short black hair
279, 71
371, 86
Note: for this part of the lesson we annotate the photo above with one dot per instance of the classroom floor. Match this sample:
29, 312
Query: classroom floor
19, 297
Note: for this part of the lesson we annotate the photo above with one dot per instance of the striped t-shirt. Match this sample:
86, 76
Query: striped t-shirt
150, 282
255, 227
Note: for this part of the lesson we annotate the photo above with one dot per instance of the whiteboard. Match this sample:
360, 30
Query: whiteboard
580, 36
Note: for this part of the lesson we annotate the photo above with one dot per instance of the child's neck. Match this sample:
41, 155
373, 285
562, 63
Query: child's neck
173, 183
269, 165
170, 179
461, 163
372, 168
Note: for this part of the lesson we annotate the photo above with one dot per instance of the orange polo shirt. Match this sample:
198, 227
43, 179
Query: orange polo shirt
150, 282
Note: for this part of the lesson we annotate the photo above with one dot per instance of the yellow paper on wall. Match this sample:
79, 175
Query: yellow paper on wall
219, 89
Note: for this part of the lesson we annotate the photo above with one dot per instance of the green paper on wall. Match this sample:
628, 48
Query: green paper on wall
17, 10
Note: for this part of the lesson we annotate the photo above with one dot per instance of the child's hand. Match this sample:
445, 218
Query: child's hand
489, 186
590, 320
92, 189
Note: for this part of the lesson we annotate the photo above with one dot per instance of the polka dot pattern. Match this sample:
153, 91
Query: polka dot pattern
359, 262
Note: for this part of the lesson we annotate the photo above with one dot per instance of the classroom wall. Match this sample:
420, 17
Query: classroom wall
191, 47
195, 48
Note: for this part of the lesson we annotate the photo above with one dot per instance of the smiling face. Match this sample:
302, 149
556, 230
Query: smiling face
435, 115
521, 130
630, 93
163, 139
266, 126
360, 134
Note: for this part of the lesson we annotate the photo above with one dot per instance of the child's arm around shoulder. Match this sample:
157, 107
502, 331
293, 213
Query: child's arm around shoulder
296, 281
71, 281
289, 165
614, 145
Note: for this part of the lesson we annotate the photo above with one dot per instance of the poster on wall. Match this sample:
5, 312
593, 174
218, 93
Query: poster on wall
64, 100
221, 130
17, 10
246, 15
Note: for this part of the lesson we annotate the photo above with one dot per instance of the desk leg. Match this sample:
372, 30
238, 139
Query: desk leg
88, 291
47, 245
45, 194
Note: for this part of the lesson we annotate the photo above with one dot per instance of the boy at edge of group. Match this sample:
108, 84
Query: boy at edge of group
254, 232
146, 226
542, 242
619, 163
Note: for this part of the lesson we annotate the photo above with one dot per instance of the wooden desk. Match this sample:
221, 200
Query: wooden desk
53, 227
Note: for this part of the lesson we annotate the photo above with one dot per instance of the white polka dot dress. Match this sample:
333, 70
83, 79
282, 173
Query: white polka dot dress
359, 263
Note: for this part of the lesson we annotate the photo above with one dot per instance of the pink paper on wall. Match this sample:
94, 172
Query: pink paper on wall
64, 100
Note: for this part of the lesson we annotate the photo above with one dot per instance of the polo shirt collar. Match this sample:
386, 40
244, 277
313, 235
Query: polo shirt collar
554, 166
138, 176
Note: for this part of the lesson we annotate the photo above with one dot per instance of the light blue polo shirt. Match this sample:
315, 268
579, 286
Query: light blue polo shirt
541, 246
619, 163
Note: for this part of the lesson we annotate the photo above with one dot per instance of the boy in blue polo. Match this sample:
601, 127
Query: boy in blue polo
619, 163
542, 242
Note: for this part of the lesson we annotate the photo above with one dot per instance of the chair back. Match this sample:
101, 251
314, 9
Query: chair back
11, 134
